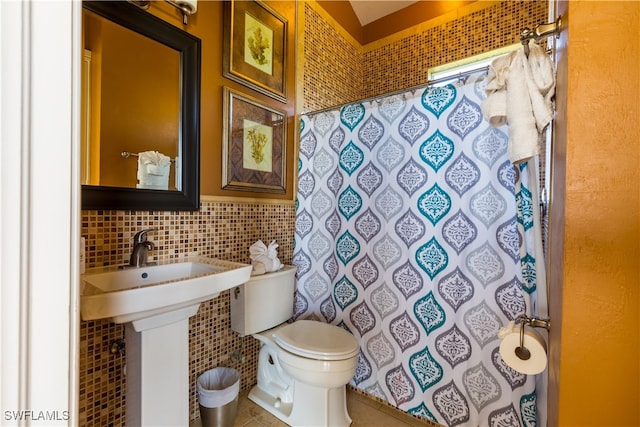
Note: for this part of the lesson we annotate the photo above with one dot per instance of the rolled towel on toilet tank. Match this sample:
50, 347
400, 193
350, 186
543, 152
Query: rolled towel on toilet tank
264, 259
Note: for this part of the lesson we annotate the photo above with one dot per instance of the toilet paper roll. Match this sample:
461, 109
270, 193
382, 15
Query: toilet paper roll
190, 5
533, 342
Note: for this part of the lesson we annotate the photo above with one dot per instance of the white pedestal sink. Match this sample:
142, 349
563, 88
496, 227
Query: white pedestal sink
156, 302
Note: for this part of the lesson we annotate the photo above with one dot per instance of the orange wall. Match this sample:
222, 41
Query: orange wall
91, 39
207, 25
343, 12
595, 284
127, 88
413, 14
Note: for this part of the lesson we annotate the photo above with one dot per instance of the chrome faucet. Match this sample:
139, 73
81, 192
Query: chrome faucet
141, 248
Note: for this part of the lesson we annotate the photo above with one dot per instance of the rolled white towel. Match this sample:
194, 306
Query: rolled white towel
264, 259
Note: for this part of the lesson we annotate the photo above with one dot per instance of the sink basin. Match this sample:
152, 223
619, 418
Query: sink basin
133, 294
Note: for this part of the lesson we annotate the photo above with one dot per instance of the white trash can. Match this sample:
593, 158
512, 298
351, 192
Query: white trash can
218, 390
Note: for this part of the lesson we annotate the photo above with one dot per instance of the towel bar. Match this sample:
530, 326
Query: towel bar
126, 154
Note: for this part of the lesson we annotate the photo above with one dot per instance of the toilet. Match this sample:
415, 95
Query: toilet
304, 366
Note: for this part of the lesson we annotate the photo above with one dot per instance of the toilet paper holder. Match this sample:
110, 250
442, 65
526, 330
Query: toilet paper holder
534, 322
522, 352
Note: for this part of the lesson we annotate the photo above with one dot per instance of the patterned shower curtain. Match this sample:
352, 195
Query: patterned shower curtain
412, 233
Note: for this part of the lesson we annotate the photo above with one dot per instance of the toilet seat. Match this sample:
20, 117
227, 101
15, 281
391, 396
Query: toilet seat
316, 340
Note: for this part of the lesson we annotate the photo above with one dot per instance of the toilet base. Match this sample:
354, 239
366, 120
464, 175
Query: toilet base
311, 406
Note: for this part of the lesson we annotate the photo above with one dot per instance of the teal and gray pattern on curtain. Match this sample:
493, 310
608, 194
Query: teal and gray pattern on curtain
408, 235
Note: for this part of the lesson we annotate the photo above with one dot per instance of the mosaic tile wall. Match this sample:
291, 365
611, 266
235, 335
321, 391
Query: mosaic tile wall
221, 230
333, 67
337, 72
405, 63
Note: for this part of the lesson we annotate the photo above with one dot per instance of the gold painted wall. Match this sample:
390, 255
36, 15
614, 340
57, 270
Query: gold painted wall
595, 283
349, 21
124, 88
207, 24
414, 14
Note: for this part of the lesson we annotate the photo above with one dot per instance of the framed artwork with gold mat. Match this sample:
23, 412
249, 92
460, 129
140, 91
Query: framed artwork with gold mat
253, 145
255, 40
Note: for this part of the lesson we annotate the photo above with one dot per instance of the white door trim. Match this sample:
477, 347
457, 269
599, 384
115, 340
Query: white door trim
39, 211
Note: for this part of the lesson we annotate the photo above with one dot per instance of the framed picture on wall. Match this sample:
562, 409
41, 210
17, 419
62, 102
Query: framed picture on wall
253, 145
255, 47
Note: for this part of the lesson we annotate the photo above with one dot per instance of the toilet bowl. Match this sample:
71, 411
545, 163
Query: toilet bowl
304, 366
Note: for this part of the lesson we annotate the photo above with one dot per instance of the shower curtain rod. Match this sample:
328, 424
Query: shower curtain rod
539, 32
409, 89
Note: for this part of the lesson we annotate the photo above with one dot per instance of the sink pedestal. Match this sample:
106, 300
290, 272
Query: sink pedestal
157, 357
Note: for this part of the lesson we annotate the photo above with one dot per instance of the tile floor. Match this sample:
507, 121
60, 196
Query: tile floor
364, 411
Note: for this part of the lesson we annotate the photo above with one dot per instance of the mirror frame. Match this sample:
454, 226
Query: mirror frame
189, 47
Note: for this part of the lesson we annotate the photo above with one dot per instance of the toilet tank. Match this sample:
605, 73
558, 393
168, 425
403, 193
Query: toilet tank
264, 302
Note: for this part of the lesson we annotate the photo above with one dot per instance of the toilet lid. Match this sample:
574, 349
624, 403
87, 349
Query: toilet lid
317, 340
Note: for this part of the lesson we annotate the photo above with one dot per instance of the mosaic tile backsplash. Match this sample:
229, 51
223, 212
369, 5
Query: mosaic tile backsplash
218, 230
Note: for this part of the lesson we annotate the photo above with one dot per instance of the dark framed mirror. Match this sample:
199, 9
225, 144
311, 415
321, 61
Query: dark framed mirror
183, 124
